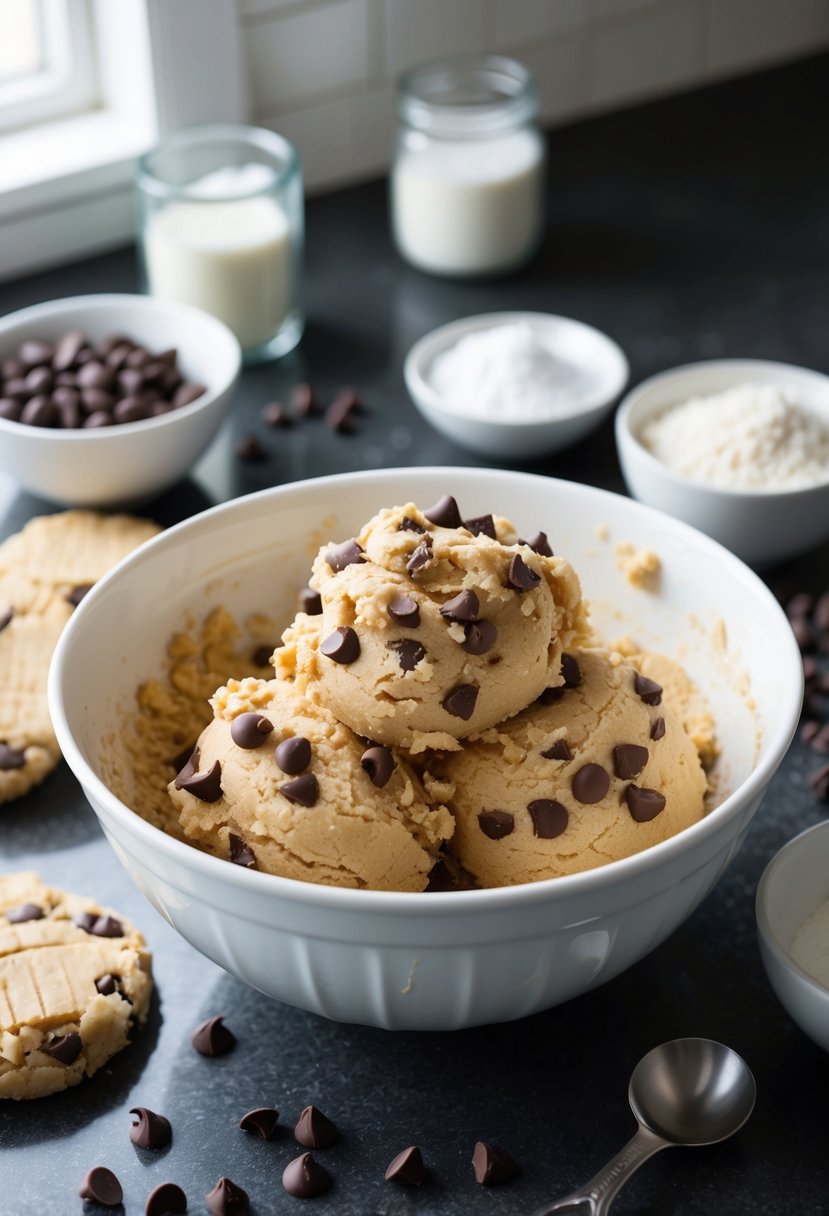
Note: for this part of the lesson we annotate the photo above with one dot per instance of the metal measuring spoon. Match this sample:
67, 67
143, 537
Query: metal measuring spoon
687, 1092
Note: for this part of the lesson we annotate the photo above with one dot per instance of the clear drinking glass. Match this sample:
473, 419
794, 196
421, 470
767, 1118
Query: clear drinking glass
221, 227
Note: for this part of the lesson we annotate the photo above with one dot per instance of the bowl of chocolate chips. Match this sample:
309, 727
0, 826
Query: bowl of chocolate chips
107, 400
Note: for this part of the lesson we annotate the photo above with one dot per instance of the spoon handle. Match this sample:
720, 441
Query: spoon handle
596, 1196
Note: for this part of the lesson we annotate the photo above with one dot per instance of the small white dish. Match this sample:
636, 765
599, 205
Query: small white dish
760, 526
120, 465
794, 885
599, 374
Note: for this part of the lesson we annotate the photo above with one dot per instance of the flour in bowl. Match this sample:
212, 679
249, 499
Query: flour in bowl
810, 948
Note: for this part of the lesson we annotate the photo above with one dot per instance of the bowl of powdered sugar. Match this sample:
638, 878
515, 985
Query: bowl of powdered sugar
515, 385
738, 448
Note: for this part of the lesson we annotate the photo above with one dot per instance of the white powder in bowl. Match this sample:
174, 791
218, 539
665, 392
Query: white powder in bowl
752, 437
810, 947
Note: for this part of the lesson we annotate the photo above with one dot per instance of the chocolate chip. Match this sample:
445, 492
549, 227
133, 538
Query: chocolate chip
33, 352
820, 742
212, 1038
85, 921
11, 757
492, 1165
131, 409
5, 618
809, 731
407, 524
462, 607
250, 730
275, 414
315, 1130
444, 513
39, 380
39, 411
643, 804
95, 375
250, 449
102, 1187
310, 601
549, 696
407, 1167
67, 350
304, 401
348, 553
75, 596
12, 369
97, 420
187, 393
821, 616
205, 786
107, 985
261, 656
166, 1200
10, 409
293, 755
479, 637
130, 382
227, 1199
188, 769
799, 605
64, 1047
241, 854
302, 791
628, 760
409, 652
404, 610
520, 577
150, 1130
481, 525
339, 416
819, 783
648, 690
658, 729
538, 543
590, 784
305, 1178
26, 912
549, 818
260, 1122
571, 671
107, 926
496, 824
341, 646
420, 556
440, 878
379, 763
558, 751
801, 628
460, 701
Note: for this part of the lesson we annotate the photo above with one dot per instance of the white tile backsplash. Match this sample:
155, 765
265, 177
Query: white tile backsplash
655, 49
430, 29
747, 33
518, 22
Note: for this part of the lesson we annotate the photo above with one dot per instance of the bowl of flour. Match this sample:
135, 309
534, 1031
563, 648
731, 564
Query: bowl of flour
738, 448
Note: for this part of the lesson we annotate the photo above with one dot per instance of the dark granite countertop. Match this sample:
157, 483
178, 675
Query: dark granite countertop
687, 229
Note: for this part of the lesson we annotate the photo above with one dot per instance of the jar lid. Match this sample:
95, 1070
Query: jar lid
467, 97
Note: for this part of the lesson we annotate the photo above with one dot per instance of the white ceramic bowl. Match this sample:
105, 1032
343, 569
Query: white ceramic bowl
414, 960
761, 527
119, 465
794, 885
599, 368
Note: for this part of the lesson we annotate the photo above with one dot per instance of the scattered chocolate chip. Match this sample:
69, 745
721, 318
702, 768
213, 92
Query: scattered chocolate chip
130, 409
481, 525
315, 1130
227, 1199
407, 1167
11, 757
462, 607
293, 755
166, 1200
102, 1187
658, 729
801, 629
95, 375
213, 1038
444, 513
800, 605
590, 784
628, 760
34, 352
341, 646
409, 652
250, 449
250, 730
67, 350
819, 783
107, 985
808, 731
188, 769
275, 414
107, 926
440, 878
241, 854
348, 553
260, 1122
39, 380
150, 1130
205, 786
404, 610
340, 414
304, 401
558, 751
538, 543
460, 701
10, 409
420, 556
496, 824
185, 394
571, 671
305, 1178
810, 669
492, 1165
99, 419
821, 615
407, 524
261, 657
310, 601
647, 690
820, 743
379, 763
19, 916
549, 818
64, 1047
75, 596
520, 577
85, 921
643, 804
302, 791
479, 637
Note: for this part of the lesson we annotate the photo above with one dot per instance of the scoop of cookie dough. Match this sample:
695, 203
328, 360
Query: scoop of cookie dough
589, 774
74, 976
432, 629
277, 783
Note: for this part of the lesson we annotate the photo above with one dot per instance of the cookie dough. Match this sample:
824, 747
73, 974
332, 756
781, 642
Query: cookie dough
44, 571
602, 771
74, 978
432, 629
277, 783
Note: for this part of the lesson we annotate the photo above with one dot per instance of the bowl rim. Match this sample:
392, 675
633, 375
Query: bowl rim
765, 927
438, 339
778, 735
626, 435
147, 304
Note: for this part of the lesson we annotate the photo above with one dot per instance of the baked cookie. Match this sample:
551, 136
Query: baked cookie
44, 571
74, 978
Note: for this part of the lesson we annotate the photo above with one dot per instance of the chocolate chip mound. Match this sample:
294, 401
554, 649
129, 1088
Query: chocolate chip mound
658, 729
648, 690
99, 926
310, 601
496, 824
420, 556
11, 757
166, 1200
341, 646
444, 513
644, 804
590, 784
150, 1130
403, 610
205, 786
101, 1186
407, 524
78, 593
379, 763
558, 751
315, 1130
348, 553
293, 755
212, 1038
18, 916
409, 652
275, 414
481, 525
241, 854
538, 543
304, 401
628, 760
107, 985
460, 701
250, 449
227, 1199
302, 791
407, 1167
492, 1165
65, 1048
260, 1122
549, 818
462, 607
519, 576
479, 637
250, 730
5, 617
305, 1178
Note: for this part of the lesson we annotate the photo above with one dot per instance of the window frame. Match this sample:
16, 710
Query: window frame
67, 82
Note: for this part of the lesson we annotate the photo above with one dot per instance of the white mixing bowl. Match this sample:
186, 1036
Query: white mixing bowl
435, 961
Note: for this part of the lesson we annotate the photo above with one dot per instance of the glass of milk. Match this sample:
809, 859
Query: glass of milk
468, 174
221, 227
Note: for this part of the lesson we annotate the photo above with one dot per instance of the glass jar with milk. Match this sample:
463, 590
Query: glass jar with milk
221, 227
468, 174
